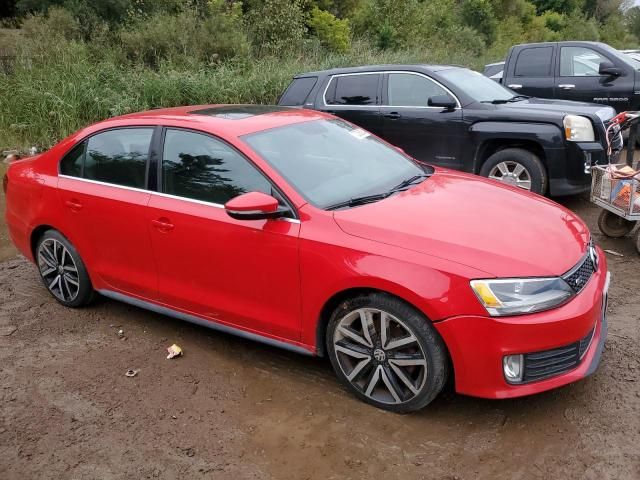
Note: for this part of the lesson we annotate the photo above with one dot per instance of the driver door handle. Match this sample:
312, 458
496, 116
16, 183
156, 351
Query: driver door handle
73, 205
566, 86
162, 224
514, 86
392, 115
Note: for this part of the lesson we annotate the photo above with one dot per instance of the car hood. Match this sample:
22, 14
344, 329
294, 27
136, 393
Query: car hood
475, 222
560, 107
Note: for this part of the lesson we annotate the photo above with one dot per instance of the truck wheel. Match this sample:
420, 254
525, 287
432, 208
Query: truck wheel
638, 241
614, 226
516, 167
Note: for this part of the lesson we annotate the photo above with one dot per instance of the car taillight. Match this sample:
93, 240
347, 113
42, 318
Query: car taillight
5, 183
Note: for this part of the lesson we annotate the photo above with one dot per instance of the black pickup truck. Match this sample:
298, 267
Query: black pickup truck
584, 71
457, 118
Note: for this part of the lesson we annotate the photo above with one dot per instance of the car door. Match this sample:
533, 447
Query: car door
430, 134
102, 189
242, 273
531, 71
579, 79
356, 98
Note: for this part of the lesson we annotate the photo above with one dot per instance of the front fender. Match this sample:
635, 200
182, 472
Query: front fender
546, 136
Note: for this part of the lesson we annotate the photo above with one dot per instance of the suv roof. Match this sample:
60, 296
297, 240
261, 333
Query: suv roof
378, 68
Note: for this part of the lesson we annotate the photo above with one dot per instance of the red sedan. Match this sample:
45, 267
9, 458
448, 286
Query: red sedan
300, 230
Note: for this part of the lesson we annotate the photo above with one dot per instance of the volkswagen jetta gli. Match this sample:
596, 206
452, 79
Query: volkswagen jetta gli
298, 229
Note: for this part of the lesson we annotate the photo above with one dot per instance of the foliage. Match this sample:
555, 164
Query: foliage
276, 26
331, 31
184, 38
82, 60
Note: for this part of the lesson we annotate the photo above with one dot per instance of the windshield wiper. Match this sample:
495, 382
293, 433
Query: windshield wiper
517, 98
409, 181
499, 101
355, 201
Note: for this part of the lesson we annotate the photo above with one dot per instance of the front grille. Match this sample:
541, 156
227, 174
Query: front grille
549, 363
579, 275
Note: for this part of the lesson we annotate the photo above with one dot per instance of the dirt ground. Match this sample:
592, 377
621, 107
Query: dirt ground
230, 408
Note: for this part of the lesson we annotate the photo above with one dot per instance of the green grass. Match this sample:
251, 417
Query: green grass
47, 97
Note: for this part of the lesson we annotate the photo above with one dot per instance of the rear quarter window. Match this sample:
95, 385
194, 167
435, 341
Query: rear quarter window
298, 91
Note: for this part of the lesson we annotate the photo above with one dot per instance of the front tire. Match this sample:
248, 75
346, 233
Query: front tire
517, 167
386, 352
62, 271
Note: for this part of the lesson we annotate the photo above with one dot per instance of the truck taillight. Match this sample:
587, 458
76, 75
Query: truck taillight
5, 183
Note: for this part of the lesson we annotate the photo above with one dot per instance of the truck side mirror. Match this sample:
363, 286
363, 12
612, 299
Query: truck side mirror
444, 101
608, 68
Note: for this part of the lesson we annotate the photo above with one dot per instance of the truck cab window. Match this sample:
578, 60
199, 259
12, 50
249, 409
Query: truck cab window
580, 62
534, 62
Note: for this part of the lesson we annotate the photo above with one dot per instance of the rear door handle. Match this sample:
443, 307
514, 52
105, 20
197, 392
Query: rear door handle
566, 86
514, 86
162, 224
73, 205
392, 115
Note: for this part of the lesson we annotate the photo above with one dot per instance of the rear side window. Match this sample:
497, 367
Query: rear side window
203, 168
353, 90
71, 164
534, 62
298, 91
119, 156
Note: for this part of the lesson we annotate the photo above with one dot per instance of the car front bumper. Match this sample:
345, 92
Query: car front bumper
569, 167
477, 345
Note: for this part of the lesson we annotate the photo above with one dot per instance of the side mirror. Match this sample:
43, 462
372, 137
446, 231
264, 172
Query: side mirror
444, 101
254, 206
608, 68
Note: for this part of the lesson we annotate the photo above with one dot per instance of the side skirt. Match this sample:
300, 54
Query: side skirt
202, 322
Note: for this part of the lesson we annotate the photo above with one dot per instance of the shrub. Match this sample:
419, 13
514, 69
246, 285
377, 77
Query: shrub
184, 38
276, 26
331, 31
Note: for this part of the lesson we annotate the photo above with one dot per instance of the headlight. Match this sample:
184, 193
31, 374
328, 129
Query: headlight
518, 296
578, 129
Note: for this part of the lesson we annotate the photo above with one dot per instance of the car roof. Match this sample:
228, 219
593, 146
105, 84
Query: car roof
235, 120
379, 68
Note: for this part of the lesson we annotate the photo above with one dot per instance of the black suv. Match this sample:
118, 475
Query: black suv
457, 118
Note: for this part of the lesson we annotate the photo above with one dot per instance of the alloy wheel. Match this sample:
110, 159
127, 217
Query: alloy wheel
380, 356
58, 270
511, 173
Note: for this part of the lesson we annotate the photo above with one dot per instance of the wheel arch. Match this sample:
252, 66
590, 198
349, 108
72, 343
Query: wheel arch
337, 298
36, 233
495, 145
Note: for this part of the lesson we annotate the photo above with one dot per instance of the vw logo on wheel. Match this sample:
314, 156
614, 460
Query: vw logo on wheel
379, 355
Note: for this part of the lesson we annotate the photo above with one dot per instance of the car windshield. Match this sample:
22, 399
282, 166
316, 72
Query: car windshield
330, 162
476, 85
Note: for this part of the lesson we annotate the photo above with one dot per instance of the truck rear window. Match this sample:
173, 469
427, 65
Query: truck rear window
298, 91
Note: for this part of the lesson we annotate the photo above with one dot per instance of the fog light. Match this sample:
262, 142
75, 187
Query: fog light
513, 365
587, 163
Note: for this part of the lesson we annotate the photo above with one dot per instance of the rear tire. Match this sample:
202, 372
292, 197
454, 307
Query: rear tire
614, 226
517, 167
62, 271
400, 370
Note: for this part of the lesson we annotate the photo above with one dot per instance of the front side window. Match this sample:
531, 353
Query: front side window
580, 62
475, 85
119, 156
331, 161
353, 90
534, 62
407, 90
201, 167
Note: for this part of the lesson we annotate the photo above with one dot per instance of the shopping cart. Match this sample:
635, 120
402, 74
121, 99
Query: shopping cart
616, 187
